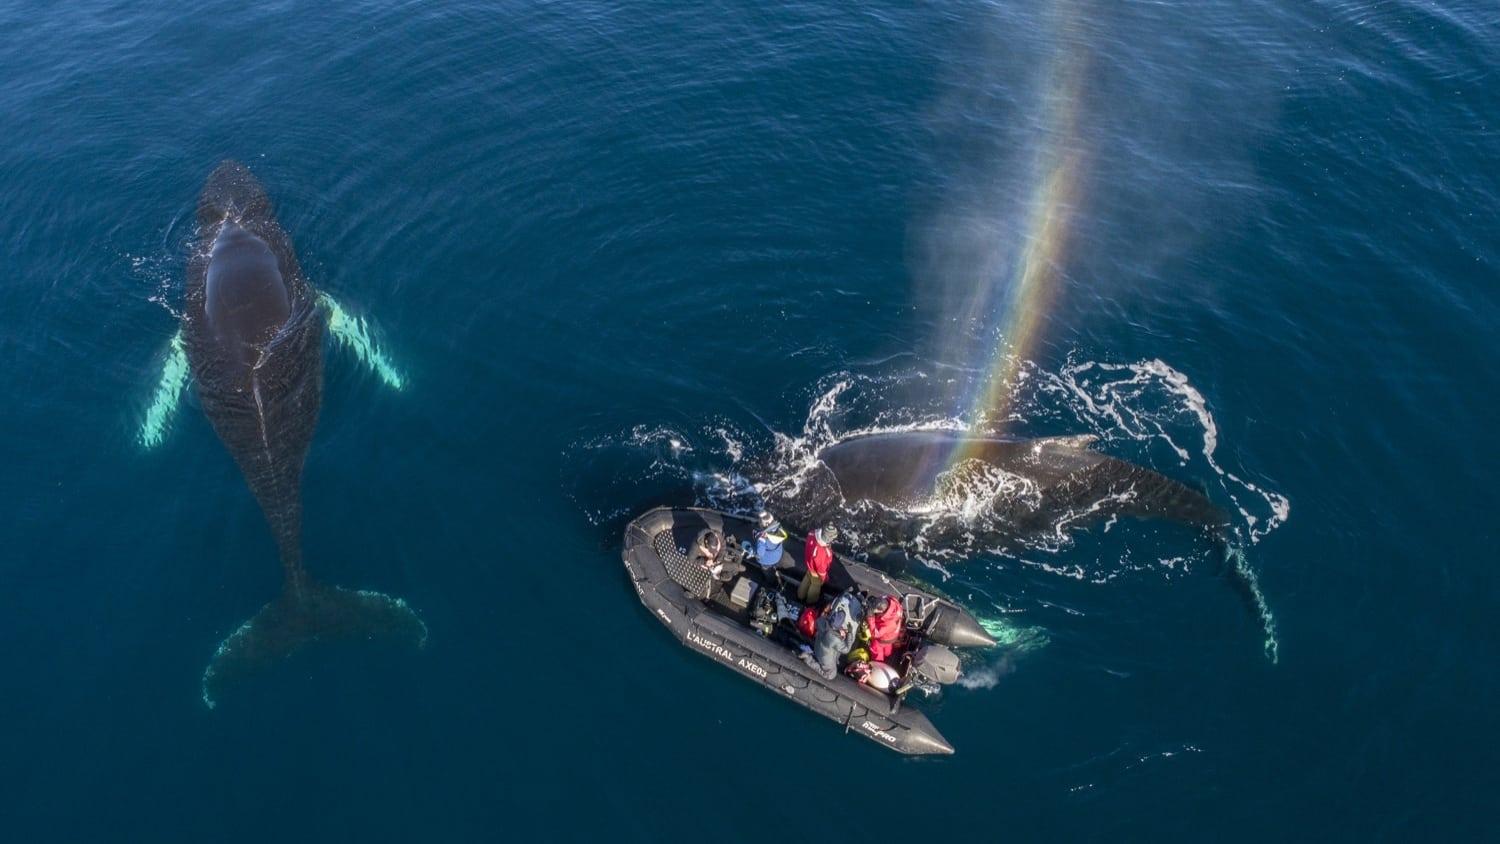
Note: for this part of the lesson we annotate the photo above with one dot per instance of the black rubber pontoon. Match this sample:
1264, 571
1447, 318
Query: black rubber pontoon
715, 619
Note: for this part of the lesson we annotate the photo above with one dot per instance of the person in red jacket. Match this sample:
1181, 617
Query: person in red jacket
819, 557
885, 622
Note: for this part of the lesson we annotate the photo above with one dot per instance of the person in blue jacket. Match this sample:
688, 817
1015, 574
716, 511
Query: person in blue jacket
767, 549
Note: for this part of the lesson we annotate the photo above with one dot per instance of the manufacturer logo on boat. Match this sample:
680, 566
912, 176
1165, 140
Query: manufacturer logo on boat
890, 739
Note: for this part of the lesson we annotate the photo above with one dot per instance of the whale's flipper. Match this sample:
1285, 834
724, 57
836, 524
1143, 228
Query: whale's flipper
352, 332
174, 378
309, 613
1236, 569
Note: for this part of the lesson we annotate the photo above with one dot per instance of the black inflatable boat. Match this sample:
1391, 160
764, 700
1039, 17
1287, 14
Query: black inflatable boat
721, 620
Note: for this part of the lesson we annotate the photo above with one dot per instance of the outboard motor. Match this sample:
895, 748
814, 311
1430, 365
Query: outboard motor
931, 667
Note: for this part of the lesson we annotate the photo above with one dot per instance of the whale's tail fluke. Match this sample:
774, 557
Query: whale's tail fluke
304, 613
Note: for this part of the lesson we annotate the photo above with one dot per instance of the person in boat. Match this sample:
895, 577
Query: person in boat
819, 558
885, 622
837, 629
712, 555
768, 540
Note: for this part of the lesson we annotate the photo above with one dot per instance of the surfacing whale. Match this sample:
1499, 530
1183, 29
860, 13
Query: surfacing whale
1052, 478
941, 484
1019, 487
252, 337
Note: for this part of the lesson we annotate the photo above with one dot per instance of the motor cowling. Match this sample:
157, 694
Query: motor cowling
933, 665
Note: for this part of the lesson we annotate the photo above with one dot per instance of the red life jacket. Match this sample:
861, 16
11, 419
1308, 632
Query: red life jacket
819, 557
886, 627
885, 631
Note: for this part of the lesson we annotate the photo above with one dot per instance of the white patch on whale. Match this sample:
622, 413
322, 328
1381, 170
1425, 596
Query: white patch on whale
168, 394
353, 333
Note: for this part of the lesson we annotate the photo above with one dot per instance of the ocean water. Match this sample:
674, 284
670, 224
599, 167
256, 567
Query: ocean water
619, 254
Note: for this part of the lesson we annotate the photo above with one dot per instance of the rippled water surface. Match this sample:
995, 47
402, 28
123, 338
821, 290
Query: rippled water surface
622, 254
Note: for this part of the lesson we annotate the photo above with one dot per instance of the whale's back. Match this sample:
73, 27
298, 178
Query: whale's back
253, 330
245, 297
905, 469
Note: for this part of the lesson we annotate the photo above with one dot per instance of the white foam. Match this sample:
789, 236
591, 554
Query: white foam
732, 445
1120, 400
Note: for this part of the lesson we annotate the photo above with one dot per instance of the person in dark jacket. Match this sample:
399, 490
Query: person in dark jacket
712, 555
837, 629
819, 558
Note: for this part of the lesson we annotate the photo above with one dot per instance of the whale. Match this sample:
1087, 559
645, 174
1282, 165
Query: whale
926, 489
903, 482
1052, 478
251, 342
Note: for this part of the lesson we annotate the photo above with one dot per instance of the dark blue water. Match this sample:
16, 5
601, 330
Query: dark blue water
618, 250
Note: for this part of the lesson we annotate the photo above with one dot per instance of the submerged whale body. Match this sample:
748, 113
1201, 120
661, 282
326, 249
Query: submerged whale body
252, 330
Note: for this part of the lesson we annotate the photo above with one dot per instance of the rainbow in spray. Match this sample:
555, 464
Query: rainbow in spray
1059, 167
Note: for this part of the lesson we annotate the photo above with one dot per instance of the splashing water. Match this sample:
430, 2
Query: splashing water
1128, 406
1120, 401
972, 488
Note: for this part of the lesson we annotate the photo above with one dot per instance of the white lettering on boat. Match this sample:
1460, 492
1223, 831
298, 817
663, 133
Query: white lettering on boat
879, 732
753, 668
712, 647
